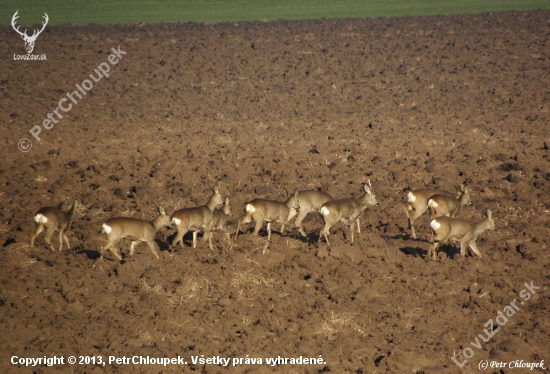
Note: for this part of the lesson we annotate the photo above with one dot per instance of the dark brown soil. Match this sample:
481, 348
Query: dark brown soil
266, 108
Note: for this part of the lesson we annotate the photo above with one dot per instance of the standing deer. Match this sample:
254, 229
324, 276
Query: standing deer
54, 219
29, 40
417, 202
138, 230
261, 210
196, 219
443, 205
466, 232
348, 211
310, 201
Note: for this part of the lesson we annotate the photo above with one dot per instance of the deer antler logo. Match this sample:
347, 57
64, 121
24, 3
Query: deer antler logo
29, 40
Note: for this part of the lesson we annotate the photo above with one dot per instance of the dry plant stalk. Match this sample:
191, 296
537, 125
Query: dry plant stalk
339, 322
189, 289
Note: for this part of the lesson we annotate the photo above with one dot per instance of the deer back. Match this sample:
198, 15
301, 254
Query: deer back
312, 200
122, 227
448, 228
192, 218
268, 210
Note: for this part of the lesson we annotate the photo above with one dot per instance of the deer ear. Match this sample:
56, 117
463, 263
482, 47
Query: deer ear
161, 210
296, 193
489, 214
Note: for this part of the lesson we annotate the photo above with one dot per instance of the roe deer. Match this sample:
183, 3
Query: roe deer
443, 205
417, 201
55, 219
261, 210
196, 219
135, 229
310, 201
348, 211
219, 218
445, 228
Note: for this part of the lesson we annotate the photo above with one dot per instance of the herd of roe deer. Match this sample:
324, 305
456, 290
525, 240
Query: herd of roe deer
444, 207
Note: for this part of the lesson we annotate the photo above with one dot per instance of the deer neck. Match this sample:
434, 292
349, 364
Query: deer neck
211, 204
157, 222
363, 200
72, 214
463, 199
481, 227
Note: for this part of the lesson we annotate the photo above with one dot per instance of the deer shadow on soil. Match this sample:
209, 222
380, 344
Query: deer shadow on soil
448, 249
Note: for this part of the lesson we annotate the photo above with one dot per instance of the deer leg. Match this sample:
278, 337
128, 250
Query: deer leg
473, 245
66, 239
226, 232
195, 239
109, 246
209, 234
463, 247
257, 227
298, 223
39, 228
412, 218
114, 251
326, 238
269, 231
152, 248
178, 238
351, 227
133, 246
238, 229
407, 208
60, 240
324, 232
49, 232
433, 251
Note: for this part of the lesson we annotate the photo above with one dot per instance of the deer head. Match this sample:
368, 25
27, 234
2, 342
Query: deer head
29, 40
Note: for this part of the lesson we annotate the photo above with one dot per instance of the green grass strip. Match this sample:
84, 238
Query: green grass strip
79, 12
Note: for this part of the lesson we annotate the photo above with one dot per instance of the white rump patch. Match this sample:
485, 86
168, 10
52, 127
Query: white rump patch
176, 221
107, 229
40, 218
411, 197
432, 204
250, 208
435, 225
324, 211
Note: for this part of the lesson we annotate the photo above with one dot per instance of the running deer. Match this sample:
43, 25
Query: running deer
443, 205
219, 218
54, 219
417, 202
310, 201
348, 211
135, 229
196, 219
261, 210
466, 232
